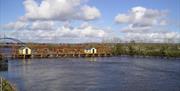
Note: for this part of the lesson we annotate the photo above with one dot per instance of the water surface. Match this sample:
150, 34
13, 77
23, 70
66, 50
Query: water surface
95, 74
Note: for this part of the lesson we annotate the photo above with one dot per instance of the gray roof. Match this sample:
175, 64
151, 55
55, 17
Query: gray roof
23, 47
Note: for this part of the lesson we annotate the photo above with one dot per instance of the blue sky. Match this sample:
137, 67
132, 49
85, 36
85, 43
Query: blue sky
12, 10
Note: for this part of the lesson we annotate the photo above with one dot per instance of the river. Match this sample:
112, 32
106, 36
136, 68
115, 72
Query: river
94, 74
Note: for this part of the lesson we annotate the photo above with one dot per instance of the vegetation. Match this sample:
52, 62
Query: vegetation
1, 57
147, 49
6, 86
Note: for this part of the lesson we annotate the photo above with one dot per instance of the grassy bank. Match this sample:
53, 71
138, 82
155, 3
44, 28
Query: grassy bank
143, 49
6, 86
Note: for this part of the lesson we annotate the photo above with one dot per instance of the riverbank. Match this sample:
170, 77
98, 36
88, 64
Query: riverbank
6, 85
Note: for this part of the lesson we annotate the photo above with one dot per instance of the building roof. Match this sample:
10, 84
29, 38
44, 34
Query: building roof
24, 47
89, 48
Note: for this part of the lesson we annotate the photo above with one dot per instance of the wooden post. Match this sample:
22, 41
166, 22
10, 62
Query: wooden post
24, 56
105, 54
32, 56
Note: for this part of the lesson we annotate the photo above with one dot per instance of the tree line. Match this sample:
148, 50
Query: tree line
147, 49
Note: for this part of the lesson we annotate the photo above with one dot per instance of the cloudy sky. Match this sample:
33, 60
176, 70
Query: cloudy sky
74, 21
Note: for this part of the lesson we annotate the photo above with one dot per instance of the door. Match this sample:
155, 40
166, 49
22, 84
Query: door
93, 51
26, 51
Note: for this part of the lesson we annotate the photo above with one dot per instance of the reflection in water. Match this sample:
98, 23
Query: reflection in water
91, 59
95, 74
26, 61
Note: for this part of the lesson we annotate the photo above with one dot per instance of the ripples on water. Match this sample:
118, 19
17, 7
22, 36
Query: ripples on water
95, 74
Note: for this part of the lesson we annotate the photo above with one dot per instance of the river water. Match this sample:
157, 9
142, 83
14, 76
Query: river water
95, 74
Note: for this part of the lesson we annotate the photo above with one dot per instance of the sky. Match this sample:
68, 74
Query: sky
79, 21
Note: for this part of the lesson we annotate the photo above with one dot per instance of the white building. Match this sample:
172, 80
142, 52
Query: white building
90, 51
25, 51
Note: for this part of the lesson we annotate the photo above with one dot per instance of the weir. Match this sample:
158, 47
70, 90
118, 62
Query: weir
18, 49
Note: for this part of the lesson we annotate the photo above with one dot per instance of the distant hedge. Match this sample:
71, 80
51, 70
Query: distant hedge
142, 49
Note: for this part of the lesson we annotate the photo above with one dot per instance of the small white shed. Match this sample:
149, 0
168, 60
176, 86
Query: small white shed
90, 51
25, 51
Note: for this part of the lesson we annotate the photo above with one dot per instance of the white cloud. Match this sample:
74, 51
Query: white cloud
86, 31
83, 33
146, 25
122, 18
50, 19
60, 10
36, 25
142, 17
18, 25
90, 13
168, 37
42, 25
